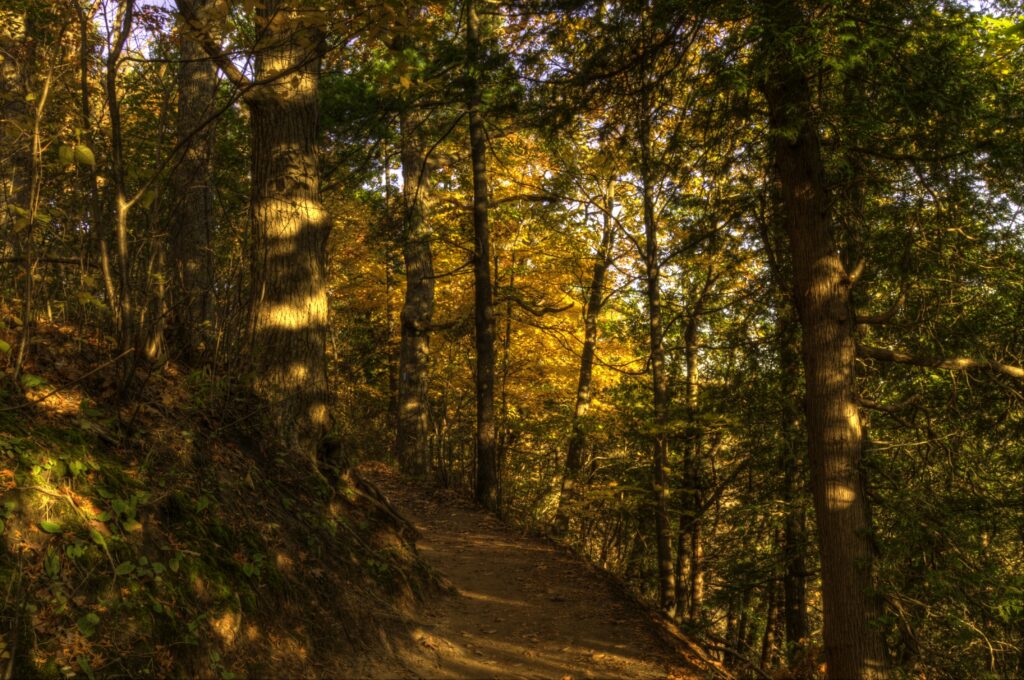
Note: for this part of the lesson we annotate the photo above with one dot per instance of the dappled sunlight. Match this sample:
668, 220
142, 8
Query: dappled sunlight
295, 314
523, 609
840, 496
492, 599
227, 626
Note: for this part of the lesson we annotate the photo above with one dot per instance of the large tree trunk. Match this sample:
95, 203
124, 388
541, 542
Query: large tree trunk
821, 290
659, 377
578, 452
411, 443
189, 258
290, 229
486, 442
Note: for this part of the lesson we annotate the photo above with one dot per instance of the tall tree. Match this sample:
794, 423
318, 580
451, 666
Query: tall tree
578, 453
821, 293
659, 375
290, 227
486, 431
190, 261
411, 443
689, 550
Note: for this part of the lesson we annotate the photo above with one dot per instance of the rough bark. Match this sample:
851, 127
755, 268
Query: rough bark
411, 442
290, 229
821, 291
578, 452
486, 441
190, 262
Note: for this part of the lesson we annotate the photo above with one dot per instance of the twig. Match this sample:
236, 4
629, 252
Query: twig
55, 390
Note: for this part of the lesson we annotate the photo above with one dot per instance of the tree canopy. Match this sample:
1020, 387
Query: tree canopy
726, 297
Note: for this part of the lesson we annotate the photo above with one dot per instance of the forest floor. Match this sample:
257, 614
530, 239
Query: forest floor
519, 607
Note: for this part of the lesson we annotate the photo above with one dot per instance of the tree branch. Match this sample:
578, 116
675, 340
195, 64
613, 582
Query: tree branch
949, 364
210, 46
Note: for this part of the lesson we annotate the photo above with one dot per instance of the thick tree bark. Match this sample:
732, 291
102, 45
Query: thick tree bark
486, 441
578, 452
411, 443
659, 376
190, 261
821, 291
290, 229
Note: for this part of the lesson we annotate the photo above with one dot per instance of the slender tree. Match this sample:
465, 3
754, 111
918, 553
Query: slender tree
411, 443
486, 439
578, 451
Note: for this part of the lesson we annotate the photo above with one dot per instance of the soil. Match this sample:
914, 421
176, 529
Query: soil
519, 607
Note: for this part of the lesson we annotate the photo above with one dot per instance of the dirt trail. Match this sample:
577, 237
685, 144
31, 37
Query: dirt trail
523, 609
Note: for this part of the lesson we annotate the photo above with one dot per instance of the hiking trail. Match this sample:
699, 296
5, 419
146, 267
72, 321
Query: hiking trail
520, 607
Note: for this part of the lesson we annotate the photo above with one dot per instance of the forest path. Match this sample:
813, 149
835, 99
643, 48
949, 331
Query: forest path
523, 608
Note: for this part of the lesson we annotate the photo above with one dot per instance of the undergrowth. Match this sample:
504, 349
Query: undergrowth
153, 538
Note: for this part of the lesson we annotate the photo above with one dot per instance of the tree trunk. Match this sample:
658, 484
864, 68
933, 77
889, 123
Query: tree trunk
578, 452
659, 377
794, 537
128, 335
190, 260
689, 551
821, 291
290, 229
20, 189
486, 443
411, 444
771, 614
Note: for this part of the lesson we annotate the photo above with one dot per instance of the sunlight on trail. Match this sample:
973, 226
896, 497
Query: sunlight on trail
523, 608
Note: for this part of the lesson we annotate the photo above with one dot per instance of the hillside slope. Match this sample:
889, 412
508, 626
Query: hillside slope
148, 534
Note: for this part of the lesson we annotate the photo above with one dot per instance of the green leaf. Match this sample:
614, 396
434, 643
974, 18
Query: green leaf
66, 154
97, 538
51, 563
29, 381
5, 347
132, 525
84, 156
124, 568
87, 625
51, 527
83, 663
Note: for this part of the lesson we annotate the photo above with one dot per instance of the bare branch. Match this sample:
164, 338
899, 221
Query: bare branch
949, 364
